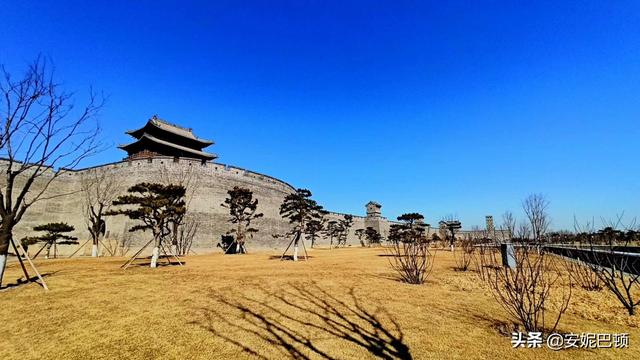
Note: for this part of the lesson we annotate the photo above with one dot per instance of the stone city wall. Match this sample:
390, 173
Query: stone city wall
64, 202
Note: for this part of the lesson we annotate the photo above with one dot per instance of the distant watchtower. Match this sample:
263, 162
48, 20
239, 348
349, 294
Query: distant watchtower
490, 227
374, 217
374, 209
161, 138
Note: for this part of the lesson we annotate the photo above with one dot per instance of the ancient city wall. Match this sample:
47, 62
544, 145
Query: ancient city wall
65, 202
65, 199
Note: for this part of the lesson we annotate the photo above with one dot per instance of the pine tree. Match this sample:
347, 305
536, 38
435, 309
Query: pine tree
411, 229
373, 236
332, 230
345, 225
300, 209
313, 229
55, 235
452, 225
360, 234
157, 207
242, 210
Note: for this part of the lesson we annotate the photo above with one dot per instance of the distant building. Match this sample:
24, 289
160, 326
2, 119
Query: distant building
161, 138
491, 229
374, 218
374, 209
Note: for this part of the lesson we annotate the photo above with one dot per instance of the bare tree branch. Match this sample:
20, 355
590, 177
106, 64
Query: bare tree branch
41, 134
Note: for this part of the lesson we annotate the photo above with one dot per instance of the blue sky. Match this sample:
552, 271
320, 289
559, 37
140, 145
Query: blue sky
438, 107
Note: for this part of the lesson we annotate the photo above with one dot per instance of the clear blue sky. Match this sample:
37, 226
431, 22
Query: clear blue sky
439, 107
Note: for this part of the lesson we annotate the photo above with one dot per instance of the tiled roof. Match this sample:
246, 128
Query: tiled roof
172, 145
169, 127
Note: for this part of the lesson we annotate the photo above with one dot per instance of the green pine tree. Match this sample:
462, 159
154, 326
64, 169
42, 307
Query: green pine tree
54, 236
242, 210
155, 206
300, 209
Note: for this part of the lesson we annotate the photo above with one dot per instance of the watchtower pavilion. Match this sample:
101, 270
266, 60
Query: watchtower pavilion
161, 138
374, 217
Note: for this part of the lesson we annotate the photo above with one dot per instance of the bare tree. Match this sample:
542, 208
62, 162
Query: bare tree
118, 245
582, 273
617, 270
523, 232
41, 132
409, 254
187, 232
100, 188
464, 255
580, 270
484, 257
509, 224
183, 227
535, 208
533, 293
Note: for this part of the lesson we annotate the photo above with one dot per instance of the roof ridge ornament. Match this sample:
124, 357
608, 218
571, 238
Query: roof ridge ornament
155, 119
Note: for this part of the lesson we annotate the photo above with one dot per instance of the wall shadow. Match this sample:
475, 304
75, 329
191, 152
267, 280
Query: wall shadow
303, 322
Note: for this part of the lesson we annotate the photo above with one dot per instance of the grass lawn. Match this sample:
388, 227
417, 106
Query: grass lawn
341, 304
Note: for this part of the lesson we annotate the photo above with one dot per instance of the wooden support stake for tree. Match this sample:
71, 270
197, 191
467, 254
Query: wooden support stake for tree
297, 237
78, 249
26, 255
172, 254
287, 249
24, 269
229, 247
133, 258
177, 259
306, 255
38, 252
105, 247
166, 256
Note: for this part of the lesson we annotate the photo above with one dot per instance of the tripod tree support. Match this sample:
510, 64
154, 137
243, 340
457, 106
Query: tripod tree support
155, 207
300, 210
295, 241
20, 252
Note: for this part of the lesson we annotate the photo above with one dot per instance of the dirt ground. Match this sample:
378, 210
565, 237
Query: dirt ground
341, 304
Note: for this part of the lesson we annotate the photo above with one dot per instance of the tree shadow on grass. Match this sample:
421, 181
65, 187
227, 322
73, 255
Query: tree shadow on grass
163, 261
22, 281
298, 321
506, 327
289, 257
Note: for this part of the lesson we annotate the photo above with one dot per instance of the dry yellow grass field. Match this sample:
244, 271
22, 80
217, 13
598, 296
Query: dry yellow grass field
341, 304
